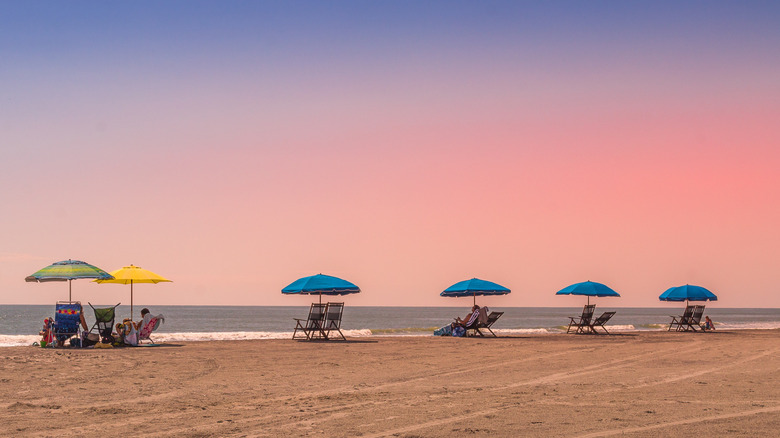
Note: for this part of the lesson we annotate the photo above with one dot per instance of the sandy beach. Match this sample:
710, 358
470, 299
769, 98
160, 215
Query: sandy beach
639, 384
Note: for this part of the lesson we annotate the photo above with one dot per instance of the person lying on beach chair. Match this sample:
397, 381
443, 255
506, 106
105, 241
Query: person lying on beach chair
467, 323
148, 325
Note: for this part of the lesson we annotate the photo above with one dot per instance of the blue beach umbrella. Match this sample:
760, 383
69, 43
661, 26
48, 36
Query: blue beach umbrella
474, 287
688, 292
321, 285
589, 289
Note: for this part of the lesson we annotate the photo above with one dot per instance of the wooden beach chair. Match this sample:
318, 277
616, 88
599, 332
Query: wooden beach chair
582, 323
600, 321
695, 319
311, 327
680, 321
333, 314
489, 321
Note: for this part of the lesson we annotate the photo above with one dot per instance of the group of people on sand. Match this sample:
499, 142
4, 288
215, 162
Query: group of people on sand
127, 332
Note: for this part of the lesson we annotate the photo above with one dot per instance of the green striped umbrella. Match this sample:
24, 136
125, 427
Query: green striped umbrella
68, 270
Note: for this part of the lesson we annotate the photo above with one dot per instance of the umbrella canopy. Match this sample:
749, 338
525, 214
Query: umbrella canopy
68, 270
589, 289
474, 287
321, 285
687, 293
130, 275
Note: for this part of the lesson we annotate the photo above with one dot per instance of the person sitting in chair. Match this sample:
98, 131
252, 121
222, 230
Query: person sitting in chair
469, 320
146, 315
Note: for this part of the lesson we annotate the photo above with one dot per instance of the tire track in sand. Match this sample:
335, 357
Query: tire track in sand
682, 422
596, 368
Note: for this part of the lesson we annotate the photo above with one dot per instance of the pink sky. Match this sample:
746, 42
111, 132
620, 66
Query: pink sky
642, 164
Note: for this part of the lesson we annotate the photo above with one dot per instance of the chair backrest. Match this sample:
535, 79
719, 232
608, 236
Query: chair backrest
150, 326
484, 315
687, 314
587, 313
316, 315
333, 315
67, 316
493, 317
697, 313
601, 320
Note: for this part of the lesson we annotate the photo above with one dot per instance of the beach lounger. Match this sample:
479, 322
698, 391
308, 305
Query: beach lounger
489, 321
600, 321
67, 321
104, 322
582, 323
311, 327
695, 320
145, 333
681, 321
333, 313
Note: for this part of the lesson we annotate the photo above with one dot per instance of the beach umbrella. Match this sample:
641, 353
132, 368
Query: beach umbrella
68, 270
589, 289
474, 287
130, 275
686, 293
321, 285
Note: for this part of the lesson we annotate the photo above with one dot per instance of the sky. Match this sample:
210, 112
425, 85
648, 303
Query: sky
234, 147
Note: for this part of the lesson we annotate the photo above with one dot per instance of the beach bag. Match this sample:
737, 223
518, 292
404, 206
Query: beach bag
131, 334
443, 331
90, 339
459, 331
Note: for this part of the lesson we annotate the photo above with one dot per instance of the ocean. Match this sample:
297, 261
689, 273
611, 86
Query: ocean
20, 324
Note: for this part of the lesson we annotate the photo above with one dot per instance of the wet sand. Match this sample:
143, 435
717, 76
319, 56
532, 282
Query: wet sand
639, 384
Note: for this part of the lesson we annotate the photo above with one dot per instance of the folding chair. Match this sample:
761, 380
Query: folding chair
67, 320
145, 333
311, 327
104, 322
695, 319
491, 319
681, 321
600, 321
333, 314
582, 323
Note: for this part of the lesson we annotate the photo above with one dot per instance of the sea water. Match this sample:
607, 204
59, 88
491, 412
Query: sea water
20, 324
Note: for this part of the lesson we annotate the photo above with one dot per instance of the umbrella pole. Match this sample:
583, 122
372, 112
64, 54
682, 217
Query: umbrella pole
131, 299
70, 286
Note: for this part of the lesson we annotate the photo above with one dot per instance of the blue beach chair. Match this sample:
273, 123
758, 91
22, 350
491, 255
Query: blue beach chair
67, 320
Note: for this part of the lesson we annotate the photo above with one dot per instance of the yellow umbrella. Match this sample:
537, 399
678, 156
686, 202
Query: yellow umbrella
133, 274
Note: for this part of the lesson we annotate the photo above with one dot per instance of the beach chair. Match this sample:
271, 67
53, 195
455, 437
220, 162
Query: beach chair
487, 323
600, 321
695, 319
311, 327
145, 333
333, 313
67, 321
104, 322
681, 321
582, 323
